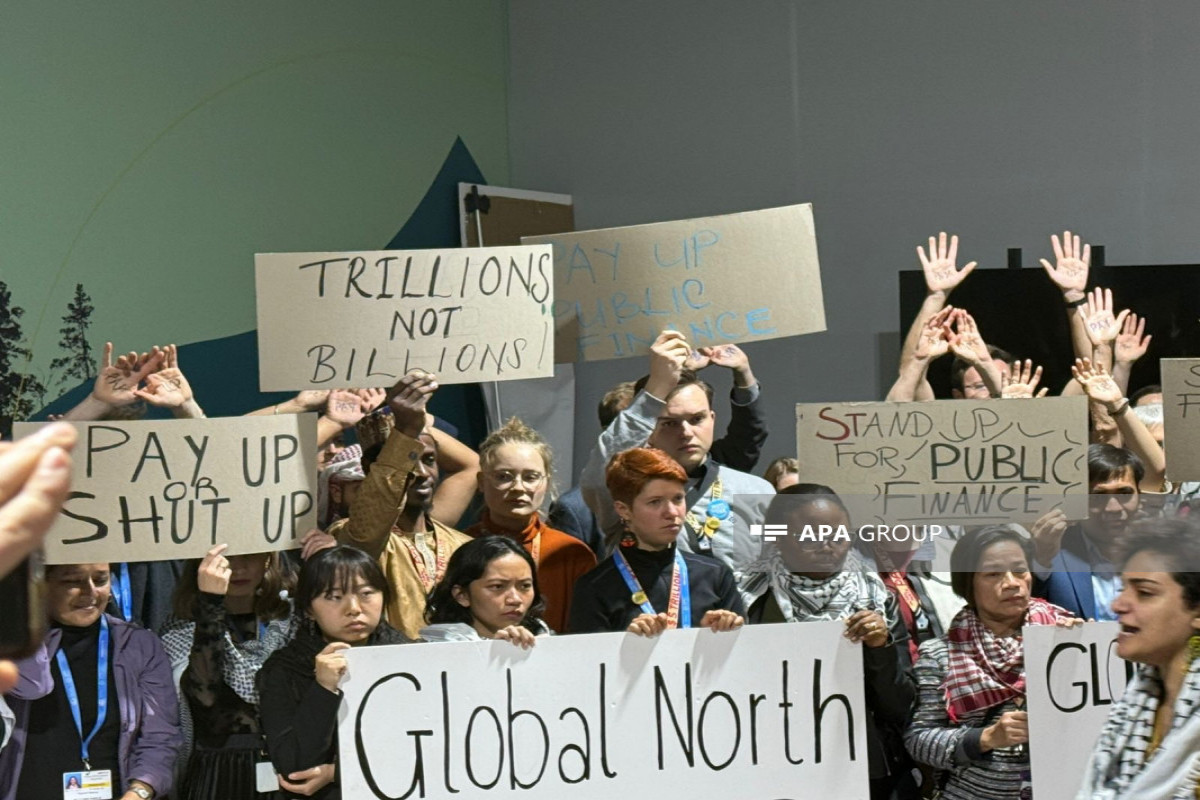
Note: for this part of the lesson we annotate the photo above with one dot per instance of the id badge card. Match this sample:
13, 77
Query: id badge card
265, 779
93, 784
704, 544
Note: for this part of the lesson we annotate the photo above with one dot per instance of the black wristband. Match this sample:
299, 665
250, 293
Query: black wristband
1075, 303
1121, 409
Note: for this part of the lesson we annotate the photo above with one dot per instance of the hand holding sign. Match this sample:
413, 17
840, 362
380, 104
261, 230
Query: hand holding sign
308, 781
214, 573
330, 665
1011, 729
35, 476
648, 624
721, 619
940, 265
867, 626
518, 635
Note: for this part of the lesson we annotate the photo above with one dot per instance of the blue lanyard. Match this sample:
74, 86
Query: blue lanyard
68, 682
122, 593
678, 578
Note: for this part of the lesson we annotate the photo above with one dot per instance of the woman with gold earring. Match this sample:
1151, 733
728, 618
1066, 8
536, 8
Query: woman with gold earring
1150, 746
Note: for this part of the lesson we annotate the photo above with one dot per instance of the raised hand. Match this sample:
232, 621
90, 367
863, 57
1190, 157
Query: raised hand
314, 542
939, 264
408, 399
667, 356
116, 384
1011, 729
168, 387
345, 407
1098, 320
1131, 344
1072, 259
731, 357
965, 339
1047, 533
213, 575
310, 400
1021, 381
934, 341
1098, 384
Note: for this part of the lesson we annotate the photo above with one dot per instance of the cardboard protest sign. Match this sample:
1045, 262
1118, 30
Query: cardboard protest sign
687, 714
978, 461
732, 278
367, 318
1181, 417
1073, 676
155, 490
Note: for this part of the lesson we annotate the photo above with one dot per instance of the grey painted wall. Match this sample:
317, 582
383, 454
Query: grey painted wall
1001, 122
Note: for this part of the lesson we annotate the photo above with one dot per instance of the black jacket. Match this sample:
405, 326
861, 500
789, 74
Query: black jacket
602, 601
299, 716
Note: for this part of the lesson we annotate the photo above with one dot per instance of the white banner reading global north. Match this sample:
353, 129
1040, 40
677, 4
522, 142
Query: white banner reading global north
770, 712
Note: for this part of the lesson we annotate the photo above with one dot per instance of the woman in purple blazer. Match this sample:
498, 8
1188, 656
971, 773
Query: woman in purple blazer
97, 696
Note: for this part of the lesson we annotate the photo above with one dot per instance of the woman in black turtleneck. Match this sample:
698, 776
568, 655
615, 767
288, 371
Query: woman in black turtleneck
648, 585
133, 736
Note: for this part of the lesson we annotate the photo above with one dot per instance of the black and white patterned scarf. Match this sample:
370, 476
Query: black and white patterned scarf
803, 599
1119, 769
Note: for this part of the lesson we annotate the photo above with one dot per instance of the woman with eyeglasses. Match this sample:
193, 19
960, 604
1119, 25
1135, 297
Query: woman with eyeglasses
516, 470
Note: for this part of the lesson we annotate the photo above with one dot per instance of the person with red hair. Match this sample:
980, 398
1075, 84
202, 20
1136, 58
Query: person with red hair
649, 585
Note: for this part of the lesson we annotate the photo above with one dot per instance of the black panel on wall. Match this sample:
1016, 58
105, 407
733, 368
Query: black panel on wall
1022, 312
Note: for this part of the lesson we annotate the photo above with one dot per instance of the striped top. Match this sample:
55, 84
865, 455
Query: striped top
952, 748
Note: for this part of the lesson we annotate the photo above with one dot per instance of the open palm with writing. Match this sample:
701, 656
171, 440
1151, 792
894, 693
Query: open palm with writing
940, 264
966, 341
1022, 380
166, 388
1071, 261
1096, 381
1131, 344
1102, 327
116, 384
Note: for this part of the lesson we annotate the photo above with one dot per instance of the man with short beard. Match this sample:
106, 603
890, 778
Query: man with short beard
390, 513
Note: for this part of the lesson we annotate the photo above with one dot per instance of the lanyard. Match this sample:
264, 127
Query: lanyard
679, 607
122, 593
439, 559
716, 510
68, 682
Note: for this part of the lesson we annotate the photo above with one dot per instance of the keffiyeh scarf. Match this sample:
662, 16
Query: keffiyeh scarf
1119, 769
987, 670
802, 599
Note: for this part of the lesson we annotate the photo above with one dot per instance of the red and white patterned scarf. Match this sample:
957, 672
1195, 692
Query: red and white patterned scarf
987, 670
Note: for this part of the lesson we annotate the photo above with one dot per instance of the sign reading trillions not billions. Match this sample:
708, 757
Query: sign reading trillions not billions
764, 713
367, 318
980, 461
151, 490
733, 278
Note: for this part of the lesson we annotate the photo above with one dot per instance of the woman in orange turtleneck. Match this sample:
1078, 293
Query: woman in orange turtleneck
515, 471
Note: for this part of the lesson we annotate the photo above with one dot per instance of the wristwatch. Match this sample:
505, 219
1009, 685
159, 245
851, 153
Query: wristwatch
141, 791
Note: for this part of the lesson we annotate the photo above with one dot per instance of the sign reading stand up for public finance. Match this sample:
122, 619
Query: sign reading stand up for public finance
327, 320
763, 713
975, 461
1181, 417
1073, 677
152, 490
733, 278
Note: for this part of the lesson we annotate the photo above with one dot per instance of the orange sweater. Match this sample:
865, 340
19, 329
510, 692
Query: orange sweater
562, 560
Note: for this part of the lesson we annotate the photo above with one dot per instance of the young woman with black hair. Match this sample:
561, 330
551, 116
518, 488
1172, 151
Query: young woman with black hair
341, 594
490, 591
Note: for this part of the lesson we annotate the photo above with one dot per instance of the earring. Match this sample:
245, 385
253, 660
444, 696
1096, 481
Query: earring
627, 538
1193, 652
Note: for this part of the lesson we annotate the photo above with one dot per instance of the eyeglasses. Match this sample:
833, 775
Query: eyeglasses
506, 479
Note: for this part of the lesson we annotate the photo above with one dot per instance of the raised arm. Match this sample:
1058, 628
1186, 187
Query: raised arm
1021, 381
942, 276
343, 409
115, 385
1069, 273
458, 465
308, 400
1128, 348
967, 343
932, 344
1102, 389
167, 387
742, 443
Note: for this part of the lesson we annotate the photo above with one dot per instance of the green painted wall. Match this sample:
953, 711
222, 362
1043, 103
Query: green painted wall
151, 148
